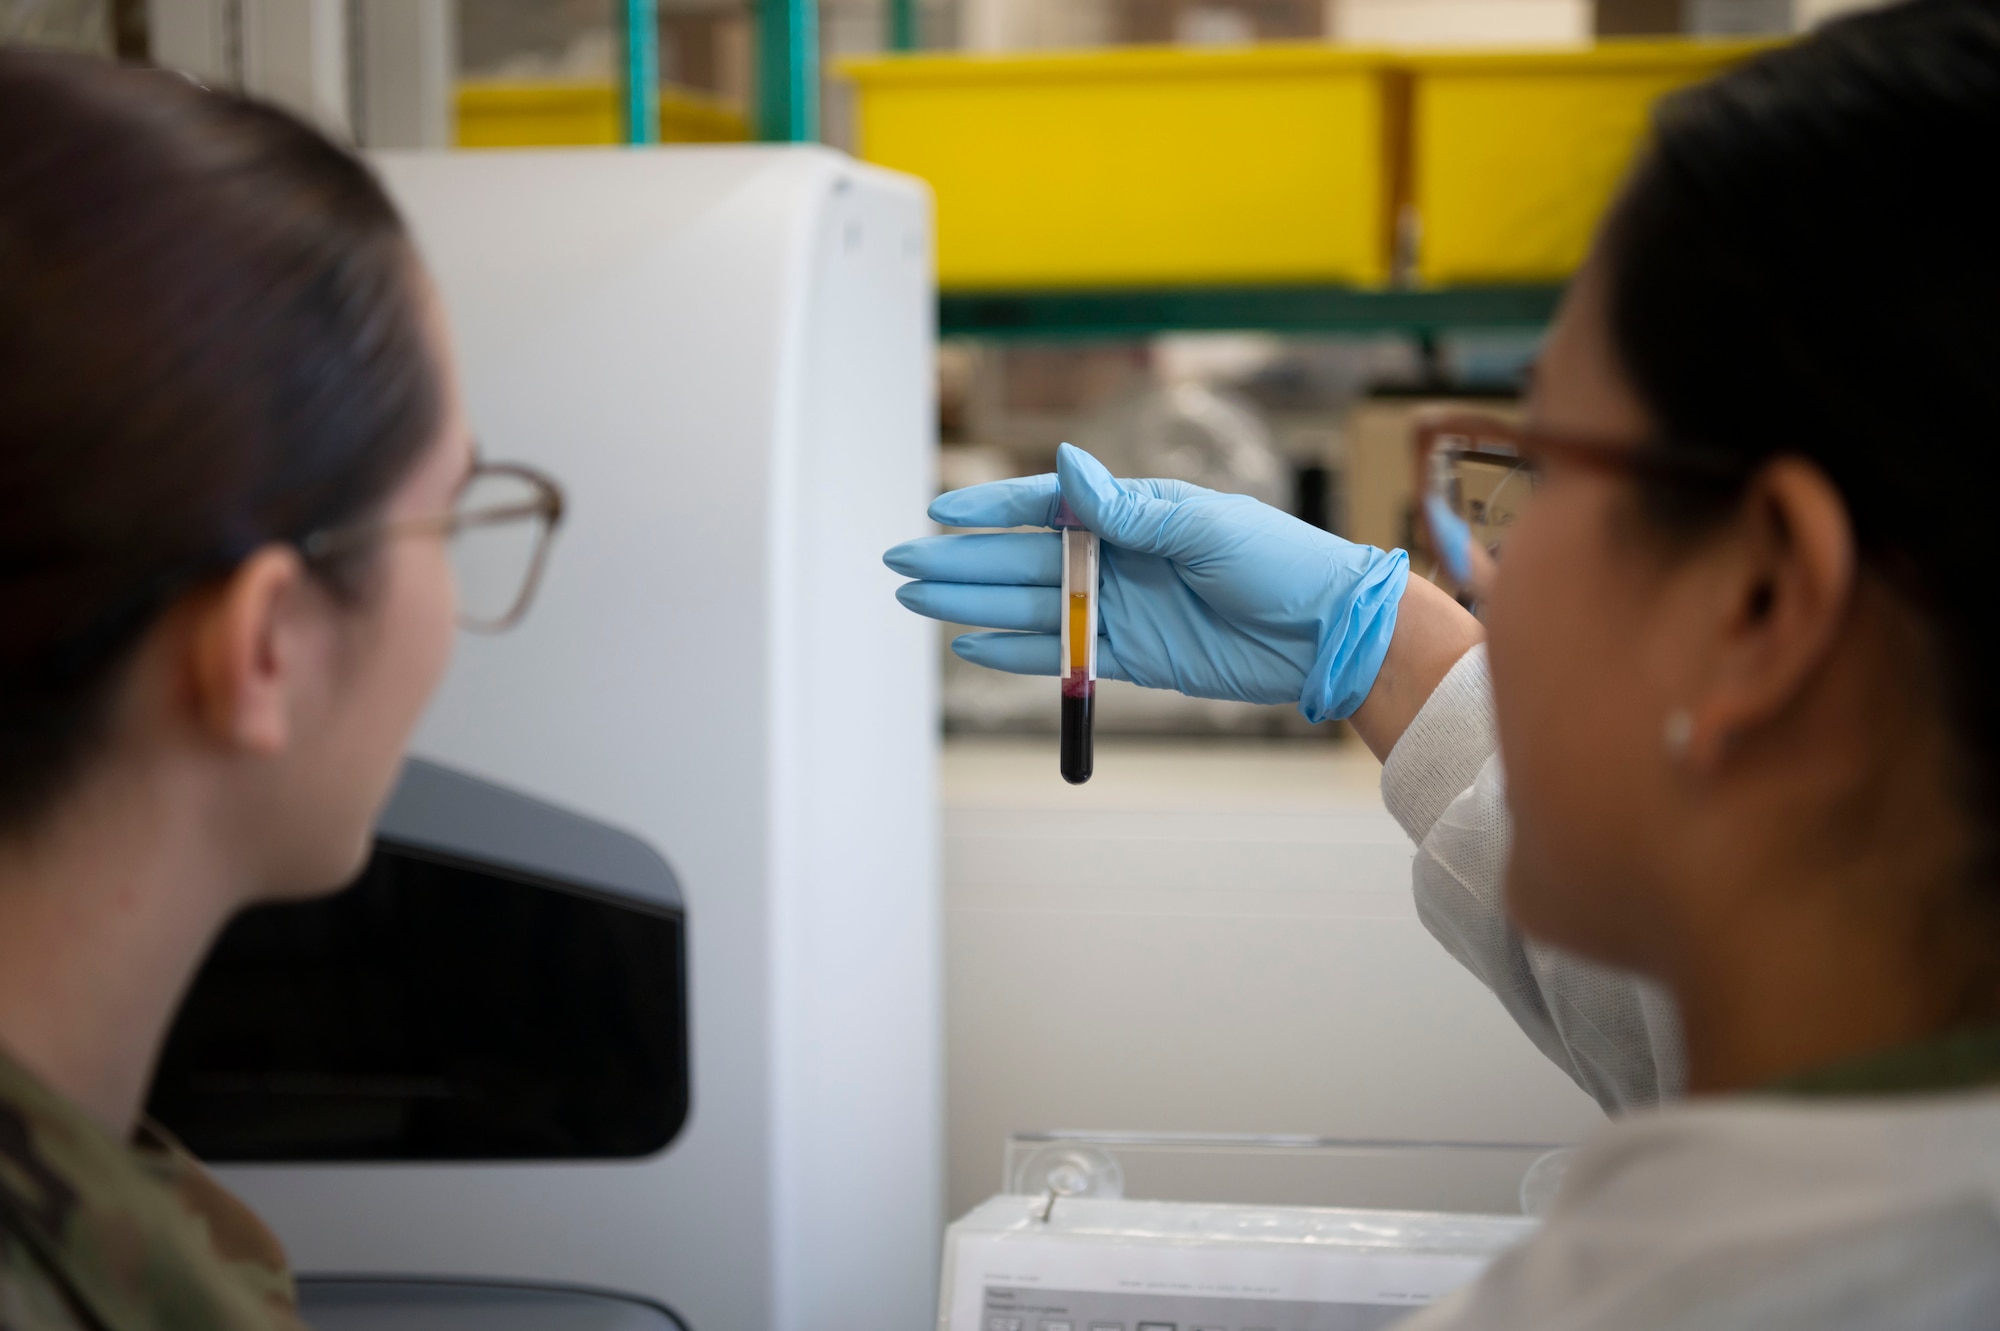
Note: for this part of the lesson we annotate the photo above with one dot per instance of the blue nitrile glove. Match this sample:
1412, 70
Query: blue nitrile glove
1215, 595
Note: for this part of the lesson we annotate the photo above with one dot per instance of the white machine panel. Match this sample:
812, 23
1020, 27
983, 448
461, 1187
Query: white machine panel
725, 354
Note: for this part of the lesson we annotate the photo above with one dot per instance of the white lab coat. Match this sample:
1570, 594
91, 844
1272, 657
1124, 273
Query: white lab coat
1741, 1212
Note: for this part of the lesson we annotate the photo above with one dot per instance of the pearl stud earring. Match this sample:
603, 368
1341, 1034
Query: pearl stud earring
1679, 732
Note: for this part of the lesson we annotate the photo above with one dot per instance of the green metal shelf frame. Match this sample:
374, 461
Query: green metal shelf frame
905, 32
1108, 314
641, 83
788, 71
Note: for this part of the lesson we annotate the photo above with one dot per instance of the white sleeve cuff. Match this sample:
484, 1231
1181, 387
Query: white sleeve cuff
1441, 752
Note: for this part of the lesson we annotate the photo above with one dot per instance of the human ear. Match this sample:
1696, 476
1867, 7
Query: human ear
245, 653
1784, 586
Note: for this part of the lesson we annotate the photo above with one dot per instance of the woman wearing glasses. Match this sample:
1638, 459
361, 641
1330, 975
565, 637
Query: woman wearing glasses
1741, 671
235, 488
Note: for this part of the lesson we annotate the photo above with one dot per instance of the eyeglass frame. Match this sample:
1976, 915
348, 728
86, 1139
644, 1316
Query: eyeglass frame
545, 508
1647, 457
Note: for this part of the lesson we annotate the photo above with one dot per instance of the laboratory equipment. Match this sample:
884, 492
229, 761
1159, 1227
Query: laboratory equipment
716, 349
1086, 1264
1222, 1230
333, 1303
506, 981
1079, 646
1191, 432
1289, 1169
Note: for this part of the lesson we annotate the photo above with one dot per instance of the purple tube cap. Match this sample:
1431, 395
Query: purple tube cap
1065, 516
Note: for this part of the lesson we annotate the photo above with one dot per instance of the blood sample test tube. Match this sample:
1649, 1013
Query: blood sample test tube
1079, 648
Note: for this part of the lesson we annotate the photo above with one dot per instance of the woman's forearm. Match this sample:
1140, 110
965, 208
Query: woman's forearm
1432, 632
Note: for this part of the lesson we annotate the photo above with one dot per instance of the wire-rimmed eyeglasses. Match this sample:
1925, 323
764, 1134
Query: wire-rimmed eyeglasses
498, 531
1477, 472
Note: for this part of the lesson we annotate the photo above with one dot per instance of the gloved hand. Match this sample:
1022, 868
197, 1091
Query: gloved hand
1215, 595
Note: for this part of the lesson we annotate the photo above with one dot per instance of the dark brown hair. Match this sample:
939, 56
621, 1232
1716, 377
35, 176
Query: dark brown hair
1807, 263
211, 338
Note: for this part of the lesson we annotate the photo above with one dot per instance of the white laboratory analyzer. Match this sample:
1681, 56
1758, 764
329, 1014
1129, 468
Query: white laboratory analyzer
725, 354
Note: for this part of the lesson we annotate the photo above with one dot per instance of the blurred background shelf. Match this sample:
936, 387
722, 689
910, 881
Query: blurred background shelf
1142, 166
1298, 164
1206, 938
1512, 157
562, 114
1304, 308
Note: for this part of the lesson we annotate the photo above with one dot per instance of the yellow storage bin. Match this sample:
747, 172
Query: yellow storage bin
1515, 156
1141, 166
543, 115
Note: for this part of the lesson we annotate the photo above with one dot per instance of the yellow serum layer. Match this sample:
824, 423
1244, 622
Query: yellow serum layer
1079, 631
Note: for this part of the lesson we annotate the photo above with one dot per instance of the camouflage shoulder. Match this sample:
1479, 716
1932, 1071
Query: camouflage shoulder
111, 1235
31, 1299
240, 1241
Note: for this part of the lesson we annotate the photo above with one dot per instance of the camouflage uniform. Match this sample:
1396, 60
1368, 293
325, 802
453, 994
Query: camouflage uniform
102, 1235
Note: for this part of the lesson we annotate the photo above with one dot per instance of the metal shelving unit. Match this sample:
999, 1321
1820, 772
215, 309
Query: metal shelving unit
787, 108
787, 111
787, 71
1291, 309
640, 94
904, 34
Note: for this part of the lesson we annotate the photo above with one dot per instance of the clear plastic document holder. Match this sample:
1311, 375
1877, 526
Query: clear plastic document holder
1065, 1249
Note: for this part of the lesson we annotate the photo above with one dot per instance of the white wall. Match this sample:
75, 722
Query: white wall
1010, 25
406, 84
378, 72
1812, 13
295, 52
1212, 938
291, 51
1460, 22
197, 37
